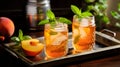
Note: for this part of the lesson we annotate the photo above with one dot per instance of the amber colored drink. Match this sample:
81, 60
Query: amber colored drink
83, 34
56, 39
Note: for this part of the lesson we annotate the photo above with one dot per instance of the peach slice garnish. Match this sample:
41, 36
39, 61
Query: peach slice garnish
32, 47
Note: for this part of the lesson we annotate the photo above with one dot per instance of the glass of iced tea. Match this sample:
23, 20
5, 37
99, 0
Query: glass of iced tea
56, 38
83, 34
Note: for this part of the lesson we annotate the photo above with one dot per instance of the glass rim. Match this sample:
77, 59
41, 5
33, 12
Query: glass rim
75, 16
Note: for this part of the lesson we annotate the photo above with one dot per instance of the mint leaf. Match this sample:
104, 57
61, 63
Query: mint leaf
52, 24
76, 10
50, 15
64, 20
43, 22
20, 35
15, 39
86, 14
26, 37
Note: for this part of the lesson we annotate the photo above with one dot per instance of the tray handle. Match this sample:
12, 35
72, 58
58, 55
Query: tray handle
109, 32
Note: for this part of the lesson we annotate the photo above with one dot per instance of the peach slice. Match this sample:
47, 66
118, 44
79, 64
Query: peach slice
32, 47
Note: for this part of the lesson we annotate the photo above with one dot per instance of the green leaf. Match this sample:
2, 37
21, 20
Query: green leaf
119, 7
15, 39
117, 24
20, 35
115, 14
102, 7
53, 24
50, 15
102, 1
89, 1
64, 20
96, 7
90, 7
106, 19
42, 22
26, 37
86, 14
75, 10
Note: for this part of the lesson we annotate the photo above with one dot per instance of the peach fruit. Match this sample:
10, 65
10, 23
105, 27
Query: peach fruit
6, 27
32, 47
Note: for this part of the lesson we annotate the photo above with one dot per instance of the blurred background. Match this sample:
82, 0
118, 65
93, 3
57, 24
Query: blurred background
18, 11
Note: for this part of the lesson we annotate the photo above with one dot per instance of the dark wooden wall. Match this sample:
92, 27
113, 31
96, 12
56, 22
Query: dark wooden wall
15, 10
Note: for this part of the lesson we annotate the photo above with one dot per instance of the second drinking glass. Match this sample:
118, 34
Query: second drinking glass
83, 30
83, 33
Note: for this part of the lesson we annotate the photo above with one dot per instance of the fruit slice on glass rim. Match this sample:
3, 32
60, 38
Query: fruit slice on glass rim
32, 47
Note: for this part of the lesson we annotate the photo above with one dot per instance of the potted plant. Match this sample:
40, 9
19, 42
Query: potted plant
98, 8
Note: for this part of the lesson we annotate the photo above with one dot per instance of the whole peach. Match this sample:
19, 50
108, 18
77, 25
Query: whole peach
7, 27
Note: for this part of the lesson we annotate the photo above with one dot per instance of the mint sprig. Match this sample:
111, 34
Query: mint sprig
20, 37
79, 12
51, 19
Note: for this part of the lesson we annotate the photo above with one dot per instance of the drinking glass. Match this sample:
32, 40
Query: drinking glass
83, 34
56, 38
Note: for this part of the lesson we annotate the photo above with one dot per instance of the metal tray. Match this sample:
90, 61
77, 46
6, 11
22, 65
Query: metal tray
105, 45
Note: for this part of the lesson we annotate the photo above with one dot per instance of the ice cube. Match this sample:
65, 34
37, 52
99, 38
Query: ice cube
84, 22
58, 39
83, 34
53, 37
76, 32
59, 29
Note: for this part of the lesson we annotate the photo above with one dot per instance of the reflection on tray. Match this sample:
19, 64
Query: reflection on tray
101, 44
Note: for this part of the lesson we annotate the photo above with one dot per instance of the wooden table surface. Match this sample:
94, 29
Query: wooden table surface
7, 60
